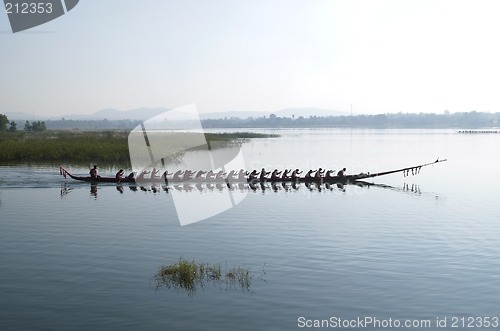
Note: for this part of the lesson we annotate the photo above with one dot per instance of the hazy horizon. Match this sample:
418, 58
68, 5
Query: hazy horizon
378, 56
143, 113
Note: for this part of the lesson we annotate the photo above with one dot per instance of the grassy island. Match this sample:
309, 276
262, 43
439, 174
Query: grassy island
56, 146
191, 275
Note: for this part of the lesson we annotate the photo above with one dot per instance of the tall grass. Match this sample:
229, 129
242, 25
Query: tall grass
189, 276
64, 146
102, 147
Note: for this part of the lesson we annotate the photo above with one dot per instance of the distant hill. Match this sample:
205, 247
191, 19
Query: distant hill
288, 118
230, 114
145, 113
20, 116
288, 112
307, 112
114, 114
109, 114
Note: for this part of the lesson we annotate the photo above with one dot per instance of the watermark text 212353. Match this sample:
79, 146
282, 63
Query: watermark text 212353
26, 14
28, 8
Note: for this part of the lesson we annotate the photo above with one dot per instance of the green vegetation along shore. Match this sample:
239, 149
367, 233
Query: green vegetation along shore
82, 147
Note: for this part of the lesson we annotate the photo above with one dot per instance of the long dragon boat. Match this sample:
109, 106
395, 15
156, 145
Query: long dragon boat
334, 179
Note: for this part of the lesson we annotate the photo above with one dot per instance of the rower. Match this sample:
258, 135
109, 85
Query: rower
263, 174
154, 173
142, 175
230, 175
94, 173
309, 174
253, 175
242, 175
275, 175
285, 174
329, 174
199, 174
119, 174
319, 174
210, 175
188, 174
177, 176
164, 176
341, 173
220, 175
296, 173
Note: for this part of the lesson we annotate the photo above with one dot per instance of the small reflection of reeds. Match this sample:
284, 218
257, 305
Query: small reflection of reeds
191, 275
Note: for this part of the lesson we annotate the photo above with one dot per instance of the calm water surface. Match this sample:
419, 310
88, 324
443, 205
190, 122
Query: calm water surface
418, 247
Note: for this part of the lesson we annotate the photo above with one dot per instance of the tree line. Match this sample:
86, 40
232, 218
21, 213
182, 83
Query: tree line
463, 120
10, 126
6, 125
399, 120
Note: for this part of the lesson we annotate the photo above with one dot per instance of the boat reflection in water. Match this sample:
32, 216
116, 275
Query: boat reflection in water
241, 187
262, 187
93, 190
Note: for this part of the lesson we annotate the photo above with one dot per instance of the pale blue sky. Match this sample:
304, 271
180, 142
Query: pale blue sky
381, 56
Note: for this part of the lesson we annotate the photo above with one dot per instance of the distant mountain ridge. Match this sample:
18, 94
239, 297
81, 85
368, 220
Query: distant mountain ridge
12, 116
112, 114
307, 112
145, 113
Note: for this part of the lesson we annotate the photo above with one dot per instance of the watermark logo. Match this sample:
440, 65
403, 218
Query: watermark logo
25, 15
172, 148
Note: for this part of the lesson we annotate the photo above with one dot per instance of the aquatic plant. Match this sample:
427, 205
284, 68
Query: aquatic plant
190, 276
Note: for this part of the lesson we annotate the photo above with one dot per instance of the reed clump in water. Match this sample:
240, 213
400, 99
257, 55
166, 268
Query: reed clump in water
190, 276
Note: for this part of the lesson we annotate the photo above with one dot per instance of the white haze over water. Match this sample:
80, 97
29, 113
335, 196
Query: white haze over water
379, 56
